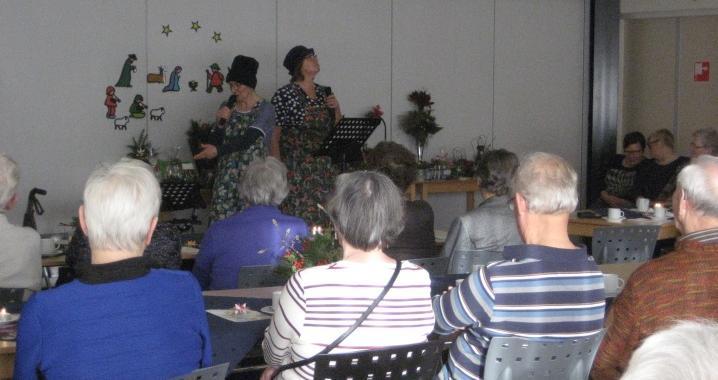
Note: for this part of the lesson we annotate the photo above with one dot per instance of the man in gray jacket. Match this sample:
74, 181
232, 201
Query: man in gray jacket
20, 261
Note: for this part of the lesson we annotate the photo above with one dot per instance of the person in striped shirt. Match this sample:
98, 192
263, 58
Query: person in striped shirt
546, 288
319, 304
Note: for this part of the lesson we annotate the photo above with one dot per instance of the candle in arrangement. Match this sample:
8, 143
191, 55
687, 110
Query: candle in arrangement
4, 315
659, 212
316, 230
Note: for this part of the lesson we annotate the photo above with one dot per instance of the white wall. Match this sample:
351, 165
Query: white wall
508, 69
662, 8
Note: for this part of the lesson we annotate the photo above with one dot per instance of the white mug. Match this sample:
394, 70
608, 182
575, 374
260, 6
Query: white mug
275, 299
613, 284
642, 204
50, 245
659, 213
615, 214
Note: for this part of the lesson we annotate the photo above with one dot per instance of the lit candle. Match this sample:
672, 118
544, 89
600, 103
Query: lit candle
4, 316
319, 230
658, 205
659, 212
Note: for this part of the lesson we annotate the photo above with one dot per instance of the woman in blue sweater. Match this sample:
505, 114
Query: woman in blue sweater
120, 319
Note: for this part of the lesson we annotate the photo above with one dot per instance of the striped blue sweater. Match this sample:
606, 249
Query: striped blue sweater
537, 291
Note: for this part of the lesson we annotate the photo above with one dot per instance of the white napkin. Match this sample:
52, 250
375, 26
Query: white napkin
228, 314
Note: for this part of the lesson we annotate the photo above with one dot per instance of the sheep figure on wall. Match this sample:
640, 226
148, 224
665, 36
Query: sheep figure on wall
156, 113
121, 123
157, 77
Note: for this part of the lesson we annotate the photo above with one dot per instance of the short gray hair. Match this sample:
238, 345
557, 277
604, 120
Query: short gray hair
709, 138
496, 169
9, 177
120, 201
699, 182
548, 183
687, 350
264, 182
367, 209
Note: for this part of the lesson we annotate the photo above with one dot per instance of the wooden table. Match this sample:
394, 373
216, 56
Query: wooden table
585, 226
422, 189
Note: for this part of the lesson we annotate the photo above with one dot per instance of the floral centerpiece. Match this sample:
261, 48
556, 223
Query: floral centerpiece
318, 249
141, 147
420, 123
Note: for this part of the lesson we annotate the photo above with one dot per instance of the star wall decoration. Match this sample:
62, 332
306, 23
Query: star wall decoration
166, 30
195, 26
217, 37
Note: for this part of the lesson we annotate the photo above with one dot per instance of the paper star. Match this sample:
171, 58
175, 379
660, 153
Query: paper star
217, 37
195, 26
166, 30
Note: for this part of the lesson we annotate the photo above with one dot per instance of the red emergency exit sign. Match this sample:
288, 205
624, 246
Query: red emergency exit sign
701, 72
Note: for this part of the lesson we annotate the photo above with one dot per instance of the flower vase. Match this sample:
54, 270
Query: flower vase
420, 151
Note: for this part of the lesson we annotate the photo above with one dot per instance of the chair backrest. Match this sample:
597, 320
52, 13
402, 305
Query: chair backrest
419, 361
215, 372
436, 266
520, 358
464, 261
258, 276
612, 245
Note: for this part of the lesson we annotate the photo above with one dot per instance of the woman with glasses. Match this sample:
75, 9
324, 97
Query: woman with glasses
656, 178
306, 112
621, 172
705, 141
243, 132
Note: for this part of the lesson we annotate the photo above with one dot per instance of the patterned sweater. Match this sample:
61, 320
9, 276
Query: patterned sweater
537, 292
680, 285
320, 303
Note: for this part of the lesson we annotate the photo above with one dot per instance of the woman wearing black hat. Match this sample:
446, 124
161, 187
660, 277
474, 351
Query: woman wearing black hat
306, 112
243, 133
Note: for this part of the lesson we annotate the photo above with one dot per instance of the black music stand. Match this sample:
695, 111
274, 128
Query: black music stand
344, 143
178, 196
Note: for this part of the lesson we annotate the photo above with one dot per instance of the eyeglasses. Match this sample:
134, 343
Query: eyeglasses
633, 151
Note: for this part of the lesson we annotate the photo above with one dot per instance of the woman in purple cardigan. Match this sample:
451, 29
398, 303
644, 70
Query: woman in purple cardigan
258, 235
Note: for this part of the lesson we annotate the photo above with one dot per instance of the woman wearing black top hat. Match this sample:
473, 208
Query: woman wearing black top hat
306, 112
243, 132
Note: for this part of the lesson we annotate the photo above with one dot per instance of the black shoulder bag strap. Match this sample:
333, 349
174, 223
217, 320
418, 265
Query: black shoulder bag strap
358, 322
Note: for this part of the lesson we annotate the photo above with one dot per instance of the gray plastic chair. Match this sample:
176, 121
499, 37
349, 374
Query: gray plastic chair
419, 361
436, 266
258, 276
464, 261
218, 372
611, 245
519, 358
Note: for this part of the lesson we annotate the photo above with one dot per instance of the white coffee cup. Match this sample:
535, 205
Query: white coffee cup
615, 214
659, 212
49, 245
612, 284
275, 299
642, 204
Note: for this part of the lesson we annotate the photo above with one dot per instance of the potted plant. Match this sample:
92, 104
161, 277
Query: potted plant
141, 148
420, 123
198, 134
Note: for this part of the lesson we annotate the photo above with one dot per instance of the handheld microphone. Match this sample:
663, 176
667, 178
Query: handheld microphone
232, 99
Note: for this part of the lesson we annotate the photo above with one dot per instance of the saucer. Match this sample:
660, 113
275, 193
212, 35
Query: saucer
614, 220
267, 310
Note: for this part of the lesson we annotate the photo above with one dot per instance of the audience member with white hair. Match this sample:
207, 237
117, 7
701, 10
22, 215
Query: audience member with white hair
258, 235
687, 351
546, 288
680, 285
20, 261
319, 304
704, 141
120, 319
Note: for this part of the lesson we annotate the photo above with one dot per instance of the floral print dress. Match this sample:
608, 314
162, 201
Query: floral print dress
305, 122
230, 166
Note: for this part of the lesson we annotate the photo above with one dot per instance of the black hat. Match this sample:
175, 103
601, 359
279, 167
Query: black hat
244, 71
295, 57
